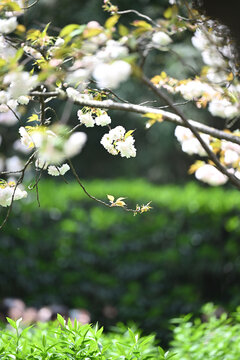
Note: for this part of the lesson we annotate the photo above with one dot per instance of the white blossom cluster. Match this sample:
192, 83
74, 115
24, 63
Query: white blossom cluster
210, 175
214, 50
189, 142
231, 153
218, 56
230, 156
194, 89
118, 141
102, 118
103, 60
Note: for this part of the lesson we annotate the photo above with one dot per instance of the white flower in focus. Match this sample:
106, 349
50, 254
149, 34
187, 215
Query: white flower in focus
103, 120
56, 171
8, 25
86, 119
117, 133
74, 144
126, 147
223, 108
161, 39
115, 142
107, 143
111, 75
210, 175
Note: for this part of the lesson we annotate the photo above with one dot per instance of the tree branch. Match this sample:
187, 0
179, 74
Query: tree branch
194, 130
176, 119
139, 109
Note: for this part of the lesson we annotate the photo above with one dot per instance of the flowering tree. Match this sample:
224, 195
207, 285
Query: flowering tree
85, 64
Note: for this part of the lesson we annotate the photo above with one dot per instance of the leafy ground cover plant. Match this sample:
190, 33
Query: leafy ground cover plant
212, 337
64, 340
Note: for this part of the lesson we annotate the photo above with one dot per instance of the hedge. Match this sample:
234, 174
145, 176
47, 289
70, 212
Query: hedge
146, 268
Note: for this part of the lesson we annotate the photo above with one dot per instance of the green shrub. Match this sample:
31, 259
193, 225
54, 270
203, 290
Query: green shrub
151, 268
209, 338
73, 341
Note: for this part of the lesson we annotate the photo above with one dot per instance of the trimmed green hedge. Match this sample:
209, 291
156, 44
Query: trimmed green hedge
152, 267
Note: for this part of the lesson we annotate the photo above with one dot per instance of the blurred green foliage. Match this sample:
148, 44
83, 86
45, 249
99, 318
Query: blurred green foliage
214, 336
146, 268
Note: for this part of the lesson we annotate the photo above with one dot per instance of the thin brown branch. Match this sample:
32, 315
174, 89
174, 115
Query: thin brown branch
14, 113
93, 197
19, 181
31, 5
138, 14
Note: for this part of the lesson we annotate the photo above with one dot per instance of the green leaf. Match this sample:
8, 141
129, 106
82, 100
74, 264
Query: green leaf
142, 24
61, 320
129, 133
33, 117
12, 323
109, 24
123, 30
110, 198
67, 30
